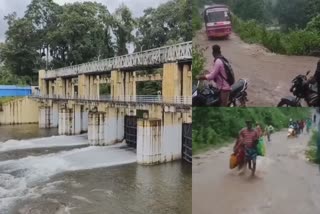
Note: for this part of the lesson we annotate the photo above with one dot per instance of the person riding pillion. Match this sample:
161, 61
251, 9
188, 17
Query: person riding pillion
221, 73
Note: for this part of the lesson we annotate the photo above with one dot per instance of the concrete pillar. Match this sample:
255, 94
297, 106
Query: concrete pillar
96, 128
171, 82
106, 128
172, 136
63, 121
82, 86
149, 141
42, 83
48, 116
159, 141
130, 86
70, 120
114, 126
186, 80
61, 87
84, 119
117, 84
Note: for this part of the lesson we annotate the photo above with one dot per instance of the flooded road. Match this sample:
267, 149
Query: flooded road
62, 174
286, 183
269, 74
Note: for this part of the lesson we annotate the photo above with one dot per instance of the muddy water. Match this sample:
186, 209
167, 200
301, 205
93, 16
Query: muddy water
286, 182
61, 174
269, 74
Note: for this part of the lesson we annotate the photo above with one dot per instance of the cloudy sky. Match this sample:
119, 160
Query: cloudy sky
19, 6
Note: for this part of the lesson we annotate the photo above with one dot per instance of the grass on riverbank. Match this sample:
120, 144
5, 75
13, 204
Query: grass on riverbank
311, 153
7, 99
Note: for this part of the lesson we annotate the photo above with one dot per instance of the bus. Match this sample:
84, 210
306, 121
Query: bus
217, 18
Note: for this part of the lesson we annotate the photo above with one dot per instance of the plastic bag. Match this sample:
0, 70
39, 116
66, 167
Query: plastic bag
233, 161
261, 148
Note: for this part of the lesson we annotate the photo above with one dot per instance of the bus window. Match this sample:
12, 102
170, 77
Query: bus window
218, 16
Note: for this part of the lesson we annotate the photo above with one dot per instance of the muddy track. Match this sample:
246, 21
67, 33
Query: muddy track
286, 183
269, 74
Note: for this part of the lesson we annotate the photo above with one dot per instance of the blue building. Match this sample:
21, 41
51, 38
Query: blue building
14, 91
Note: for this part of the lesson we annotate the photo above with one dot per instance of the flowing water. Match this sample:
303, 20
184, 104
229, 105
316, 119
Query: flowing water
41, 173
285, 182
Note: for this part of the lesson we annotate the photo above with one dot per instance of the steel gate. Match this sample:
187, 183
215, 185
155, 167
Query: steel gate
187, 142
130, 130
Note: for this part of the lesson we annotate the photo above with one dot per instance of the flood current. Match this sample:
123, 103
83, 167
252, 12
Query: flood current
41, 172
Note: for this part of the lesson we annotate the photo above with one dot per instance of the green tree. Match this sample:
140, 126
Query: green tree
292, 13
123, 25
169, 23
19, 53
82, 35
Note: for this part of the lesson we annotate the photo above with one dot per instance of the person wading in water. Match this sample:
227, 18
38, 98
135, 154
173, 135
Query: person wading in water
249, 138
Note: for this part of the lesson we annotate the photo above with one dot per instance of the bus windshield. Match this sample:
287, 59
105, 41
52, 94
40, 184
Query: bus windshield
217, 16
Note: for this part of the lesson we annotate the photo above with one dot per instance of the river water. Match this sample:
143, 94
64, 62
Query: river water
43, 173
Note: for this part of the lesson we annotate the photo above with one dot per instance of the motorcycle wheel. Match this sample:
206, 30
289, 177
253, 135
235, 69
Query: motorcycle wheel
198, 101
283, 103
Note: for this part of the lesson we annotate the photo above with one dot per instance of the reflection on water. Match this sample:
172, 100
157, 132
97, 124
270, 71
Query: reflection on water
80, 180
26, 131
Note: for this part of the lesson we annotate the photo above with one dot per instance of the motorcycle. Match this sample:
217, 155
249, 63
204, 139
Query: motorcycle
291, 132
210, 96
301, 89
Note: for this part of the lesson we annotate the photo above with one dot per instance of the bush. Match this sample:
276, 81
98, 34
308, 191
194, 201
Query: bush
198, 61
311, 153
296, 42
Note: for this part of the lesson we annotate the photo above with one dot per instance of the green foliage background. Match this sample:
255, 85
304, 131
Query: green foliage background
80, 32
216, 126
312, 152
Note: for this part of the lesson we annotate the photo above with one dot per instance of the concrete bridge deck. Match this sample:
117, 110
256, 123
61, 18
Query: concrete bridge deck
184, 102
145, 59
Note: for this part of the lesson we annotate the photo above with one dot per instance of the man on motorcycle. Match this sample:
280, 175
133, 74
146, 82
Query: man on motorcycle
219, 76
249, 138
316, 79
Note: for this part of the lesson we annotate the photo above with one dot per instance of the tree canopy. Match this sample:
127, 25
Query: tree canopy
82, 32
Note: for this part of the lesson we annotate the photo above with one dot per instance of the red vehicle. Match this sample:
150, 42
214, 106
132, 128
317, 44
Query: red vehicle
217, 19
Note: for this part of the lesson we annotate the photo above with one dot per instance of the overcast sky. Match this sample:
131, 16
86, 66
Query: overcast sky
19, 6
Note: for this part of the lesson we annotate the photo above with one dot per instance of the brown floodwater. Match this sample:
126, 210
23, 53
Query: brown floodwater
61, 174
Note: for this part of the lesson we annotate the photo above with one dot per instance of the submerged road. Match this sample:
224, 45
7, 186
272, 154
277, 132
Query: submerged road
270, 74
285, 182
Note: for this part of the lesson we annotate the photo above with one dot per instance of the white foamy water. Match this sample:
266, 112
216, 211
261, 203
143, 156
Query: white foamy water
18, 178
47, 142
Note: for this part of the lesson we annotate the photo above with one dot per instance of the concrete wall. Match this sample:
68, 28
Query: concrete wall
19, 111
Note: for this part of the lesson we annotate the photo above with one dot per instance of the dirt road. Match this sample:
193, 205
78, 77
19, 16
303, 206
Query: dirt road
270, 75
285, 182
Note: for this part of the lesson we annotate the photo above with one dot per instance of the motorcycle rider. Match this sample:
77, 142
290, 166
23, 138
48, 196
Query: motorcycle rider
219, 76
316, 79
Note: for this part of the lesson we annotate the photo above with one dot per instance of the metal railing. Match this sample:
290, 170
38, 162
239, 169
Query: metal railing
157, 56
148, 99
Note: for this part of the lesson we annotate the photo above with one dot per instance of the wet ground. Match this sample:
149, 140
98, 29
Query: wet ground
285, 182
269, 74
61, 175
